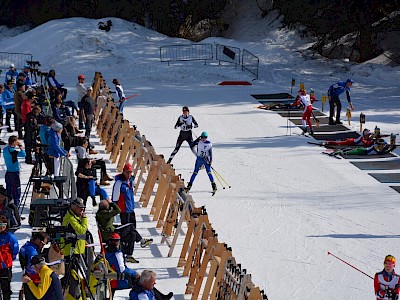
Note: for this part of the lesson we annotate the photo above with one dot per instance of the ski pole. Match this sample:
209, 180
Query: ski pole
129, 97
219, 180
350, 265
315, 119
223, 179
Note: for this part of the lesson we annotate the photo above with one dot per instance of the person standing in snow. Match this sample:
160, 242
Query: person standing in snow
8, 253
306, 101
186, 122
333, 96
81, 90
121, 95
8, 100
204, 157
387, 282
11, 74
13, 182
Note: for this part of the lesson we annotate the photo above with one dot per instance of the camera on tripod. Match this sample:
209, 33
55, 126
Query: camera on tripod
44, 212
33, 63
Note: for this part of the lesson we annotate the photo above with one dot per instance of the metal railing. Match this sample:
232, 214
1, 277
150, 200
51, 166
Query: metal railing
250, 63
186, 52
227, 54
18, 59
69, 186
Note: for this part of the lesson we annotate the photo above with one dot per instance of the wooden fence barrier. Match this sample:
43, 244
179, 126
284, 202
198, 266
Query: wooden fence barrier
108, 123
119, 139
103, 115
172, 207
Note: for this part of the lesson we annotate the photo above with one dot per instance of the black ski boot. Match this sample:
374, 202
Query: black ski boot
189, 186
161, 296
214, 187
331, 122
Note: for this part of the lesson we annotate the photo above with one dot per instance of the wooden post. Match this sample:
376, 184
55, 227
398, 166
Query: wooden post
151, 181
125, 149
107, 125
226, 253
209, 252
114, 131
133, 148
163, 185
202, 224
221, 254
103, 117
96, 84
185, 215
120, 138
170, 199
101, 103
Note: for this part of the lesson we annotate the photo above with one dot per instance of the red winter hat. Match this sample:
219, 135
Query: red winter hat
128, 167
115, 236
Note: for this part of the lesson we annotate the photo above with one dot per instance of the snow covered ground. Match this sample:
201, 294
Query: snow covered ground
288, 205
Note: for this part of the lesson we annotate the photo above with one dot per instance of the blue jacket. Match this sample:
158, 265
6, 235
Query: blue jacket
134, 295
2, 104
8, 98
58, 114
7, 154
52, 81
28, 80
27, 251
44, 134
8, 249
11, 76
338, 89
55, 149
123, 194
116, 259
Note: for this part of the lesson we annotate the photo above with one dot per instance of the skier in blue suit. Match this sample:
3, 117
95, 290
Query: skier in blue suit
204, 157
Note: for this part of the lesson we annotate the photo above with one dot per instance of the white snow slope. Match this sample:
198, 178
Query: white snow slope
288, 205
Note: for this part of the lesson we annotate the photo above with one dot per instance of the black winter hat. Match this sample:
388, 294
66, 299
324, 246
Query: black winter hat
37, 259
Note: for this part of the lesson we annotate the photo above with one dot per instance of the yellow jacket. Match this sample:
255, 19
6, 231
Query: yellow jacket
80, 226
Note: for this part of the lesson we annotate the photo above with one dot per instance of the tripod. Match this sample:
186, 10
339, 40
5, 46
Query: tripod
76, 270
36, 176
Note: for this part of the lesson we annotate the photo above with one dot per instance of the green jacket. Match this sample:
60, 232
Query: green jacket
80, 226
105, 219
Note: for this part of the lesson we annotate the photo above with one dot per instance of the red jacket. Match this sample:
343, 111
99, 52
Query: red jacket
26, 108
382, 282
8, 249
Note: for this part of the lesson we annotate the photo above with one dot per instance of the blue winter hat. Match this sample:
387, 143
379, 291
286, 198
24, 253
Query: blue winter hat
349, 80
204, 134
